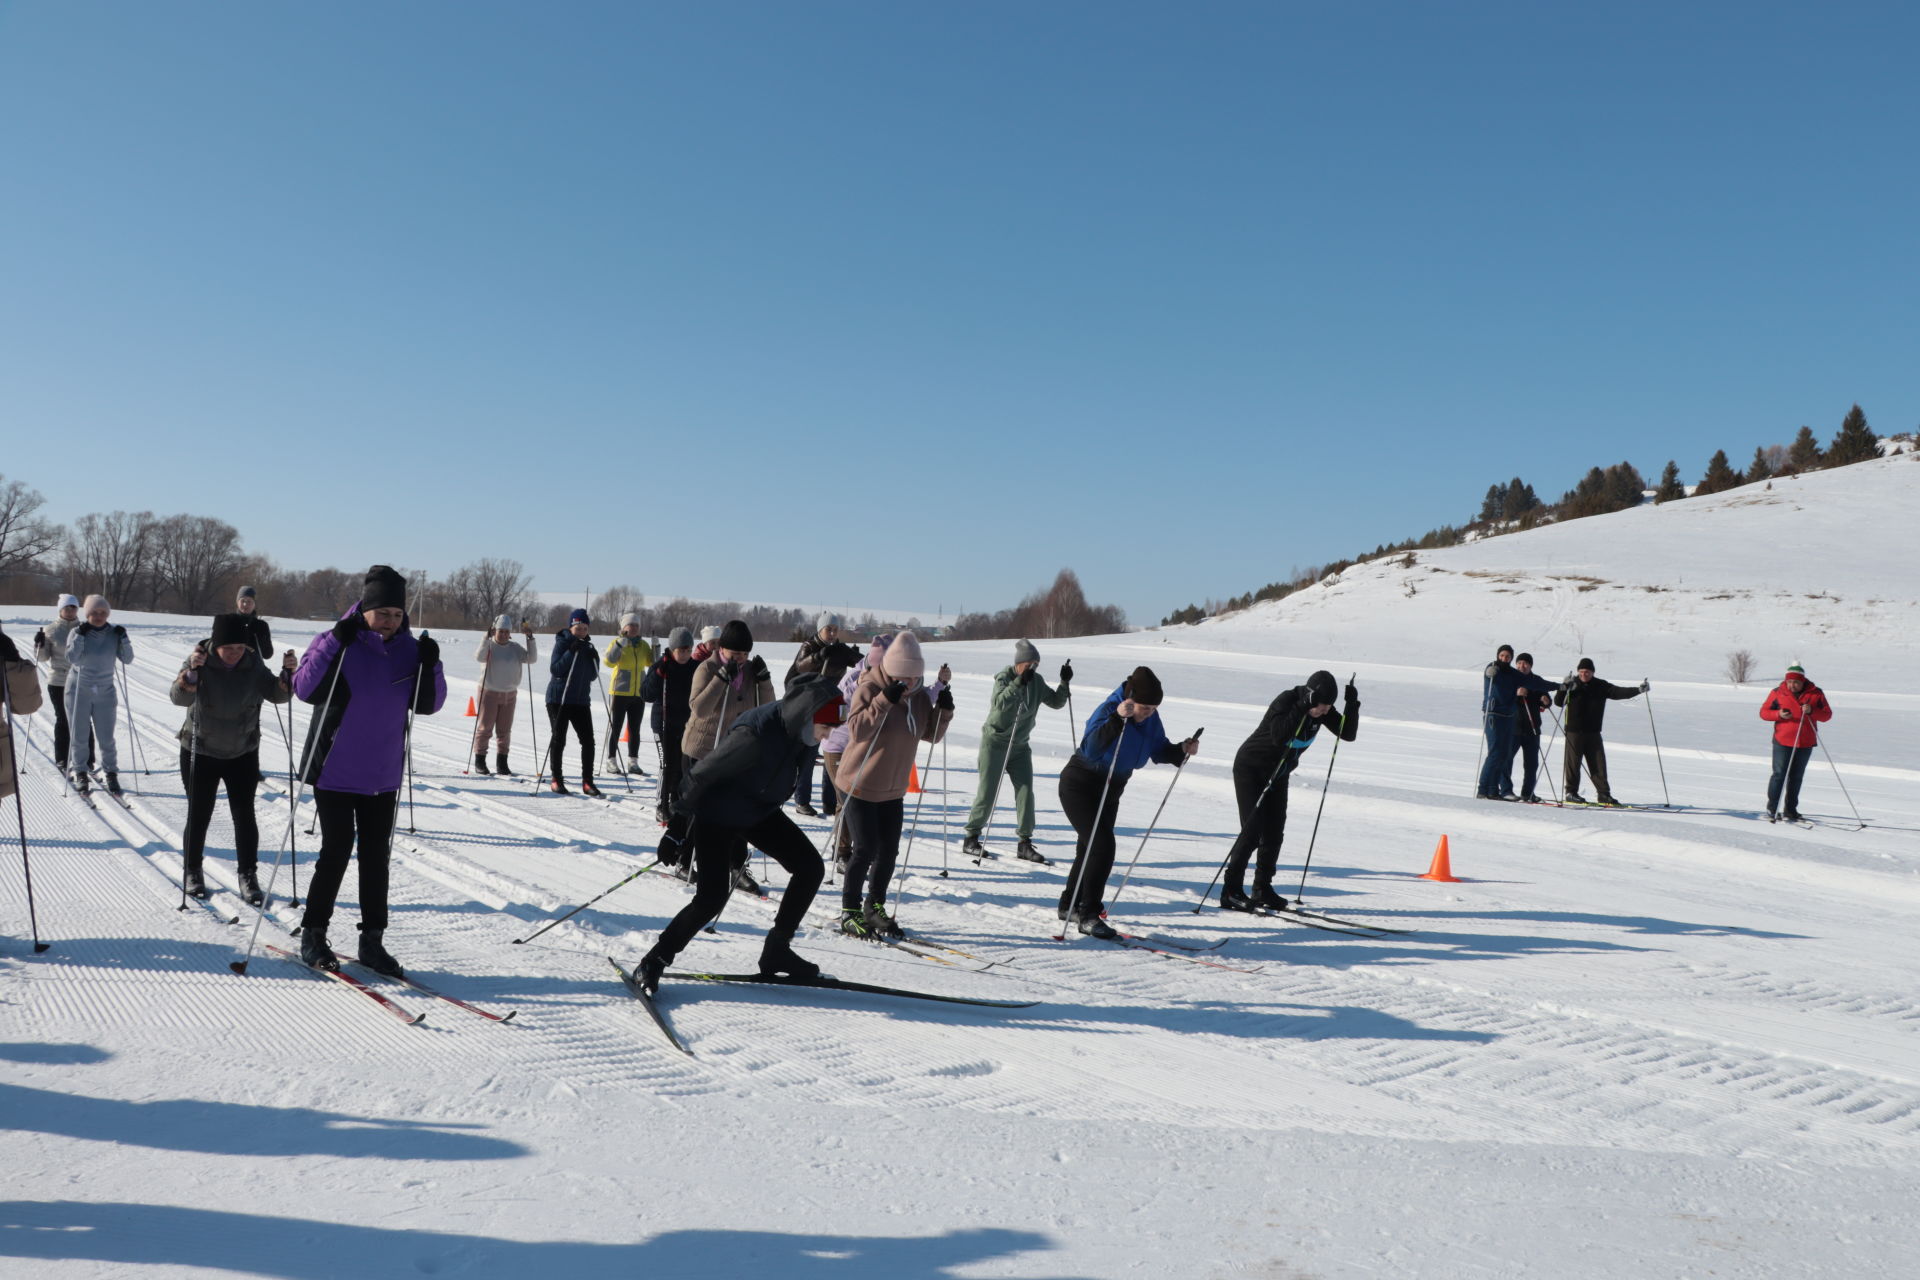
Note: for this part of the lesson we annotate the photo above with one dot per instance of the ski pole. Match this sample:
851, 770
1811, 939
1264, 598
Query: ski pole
1006, 762
1072, 719
533, 724
557, 729
419, 669
946, 803
1486, 724
1546, 757
906, 858
866, 762
1648, 695
1843, 786
314, 729
1151, 825
613, 753
583, 906
19, 813
1086, 853
193, 768
1253, 814
1312, 838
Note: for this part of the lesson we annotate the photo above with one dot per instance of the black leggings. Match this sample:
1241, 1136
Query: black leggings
343, 815
715, 851
1080, 787
559, 716
62, 733
627, 708
1262, 830
672, 765
203, 776
875, 825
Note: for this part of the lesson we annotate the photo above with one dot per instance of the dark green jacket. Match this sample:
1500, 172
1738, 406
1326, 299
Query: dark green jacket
1015, 701
226, 704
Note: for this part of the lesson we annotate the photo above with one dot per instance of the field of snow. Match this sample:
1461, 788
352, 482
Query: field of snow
1677, 1042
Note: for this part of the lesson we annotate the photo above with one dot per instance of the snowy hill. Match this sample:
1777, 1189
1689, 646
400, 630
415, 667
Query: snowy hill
1669, 1041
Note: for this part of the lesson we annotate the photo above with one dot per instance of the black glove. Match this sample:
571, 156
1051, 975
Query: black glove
1066, 673
39, 640
1026, 677
349, 627
119, 631
758, 670
85, 628
842, 654
728, 670
895, 690
1353, 694
429, 652
945, 701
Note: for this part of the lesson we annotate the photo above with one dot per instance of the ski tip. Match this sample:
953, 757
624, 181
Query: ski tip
416, 1019
508, 1016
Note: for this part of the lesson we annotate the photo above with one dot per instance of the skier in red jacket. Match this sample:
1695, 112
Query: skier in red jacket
1793, 709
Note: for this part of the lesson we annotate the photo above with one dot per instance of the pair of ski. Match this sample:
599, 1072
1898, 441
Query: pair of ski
1326, 924
1168, 948
380, 997
823, 982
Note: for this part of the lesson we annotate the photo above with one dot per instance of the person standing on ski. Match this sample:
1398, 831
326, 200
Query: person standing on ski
1794, 709
502, 664
222, 684
1499, 691
727, 683
1018, 694
889, 716
628, 657
810, 658
1530, 700
93, 648
365, 674
731, 800
574, 669
668, 684
1586, 697
1123, 733
1261, 770
50, 647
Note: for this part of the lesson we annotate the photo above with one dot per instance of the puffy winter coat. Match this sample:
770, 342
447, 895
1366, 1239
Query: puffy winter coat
359, 743
890, 732
627, 663
713, 703
1015, 706
1139, 745
667, 686
753, 770
1794, 717
574, 668
23, 697
55, 651
1586, 701
92, 651
224, 720
1499, 685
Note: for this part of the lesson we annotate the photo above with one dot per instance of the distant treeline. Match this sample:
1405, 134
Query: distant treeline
1511, 507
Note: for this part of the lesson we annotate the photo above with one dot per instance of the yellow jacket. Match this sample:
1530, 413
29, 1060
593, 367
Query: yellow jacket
627, 663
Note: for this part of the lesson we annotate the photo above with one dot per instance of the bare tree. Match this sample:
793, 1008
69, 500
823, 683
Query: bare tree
195, 561
25, 539
1739, 666
475, 594
111, 553
614, 601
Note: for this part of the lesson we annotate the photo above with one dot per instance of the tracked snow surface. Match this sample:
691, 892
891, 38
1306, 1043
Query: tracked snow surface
1656, 1042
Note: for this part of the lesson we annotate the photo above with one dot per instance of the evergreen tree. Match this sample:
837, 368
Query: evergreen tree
1625, 487
1720, 475
1670, 486
1804, 453
1520, 499
1759, 468
1855, 441
1494, 506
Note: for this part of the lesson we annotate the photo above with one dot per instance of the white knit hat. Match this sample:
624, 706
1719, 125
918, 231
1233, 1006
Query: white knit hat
66, 600
503, 623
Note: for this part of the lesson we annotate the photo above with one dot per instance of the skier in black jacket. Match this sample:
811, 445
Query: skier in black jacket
733, 798
1585, 697
1261, 768
668, 684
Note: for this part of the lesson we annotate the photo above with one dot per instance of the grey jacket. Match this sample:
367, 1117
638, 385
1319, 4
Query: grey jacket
504, 663
91, 653
224, 723
56, 653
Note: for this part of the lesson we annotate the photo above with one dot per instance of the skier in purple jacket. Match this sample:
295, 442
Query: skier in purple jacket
365, 674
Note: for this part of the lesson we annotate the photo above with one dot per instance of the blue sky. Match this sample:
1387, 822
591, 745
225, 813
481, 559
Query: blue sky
913, 304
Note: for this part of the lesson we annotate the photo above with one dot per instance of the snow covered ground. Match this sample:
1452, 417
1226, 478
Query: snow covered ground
1648, 1043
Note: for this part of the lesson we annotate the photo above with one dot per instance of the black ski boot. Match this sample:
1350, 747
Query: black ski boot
587, 788
314, 950
806, 810
250, 887
880, 924
746, 883
480, 764
81, 784
1027, 853
195, 880
500, 765
1094, 927
853, 923
1266, 899
1232, 899
375, 956
972, 848
648, 972
558, 786
113, 784
777, 959
633, 767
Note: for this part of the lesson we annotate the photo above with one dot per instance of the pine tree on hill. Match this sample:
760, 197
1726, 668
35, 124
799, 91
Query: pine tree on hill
1855, 441
1520, 499
1759, 468
1670, 486
1804, 453
1720, 475
1494, 506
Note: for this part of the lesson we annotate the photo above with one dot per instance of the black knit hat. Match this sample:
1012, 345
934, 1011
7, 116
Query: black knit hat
1144, 687
1505, 648
1322, 688
1526, 658
1585, 664
230, 628
736, 637
384, 589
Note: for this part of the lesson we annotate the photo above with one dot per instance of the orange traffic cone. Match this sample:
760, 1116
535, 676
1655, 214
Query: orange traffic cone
626, 734
470, 710
1442, 868
913, 779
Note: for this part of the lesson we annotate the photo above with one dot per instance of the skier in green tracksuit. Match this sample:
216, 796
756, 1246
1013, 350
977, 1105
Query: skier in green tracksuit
1018, 692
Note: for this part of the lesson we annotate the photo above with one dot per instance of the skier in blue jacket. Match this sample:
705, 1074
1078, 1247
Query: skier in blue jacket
575, 671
